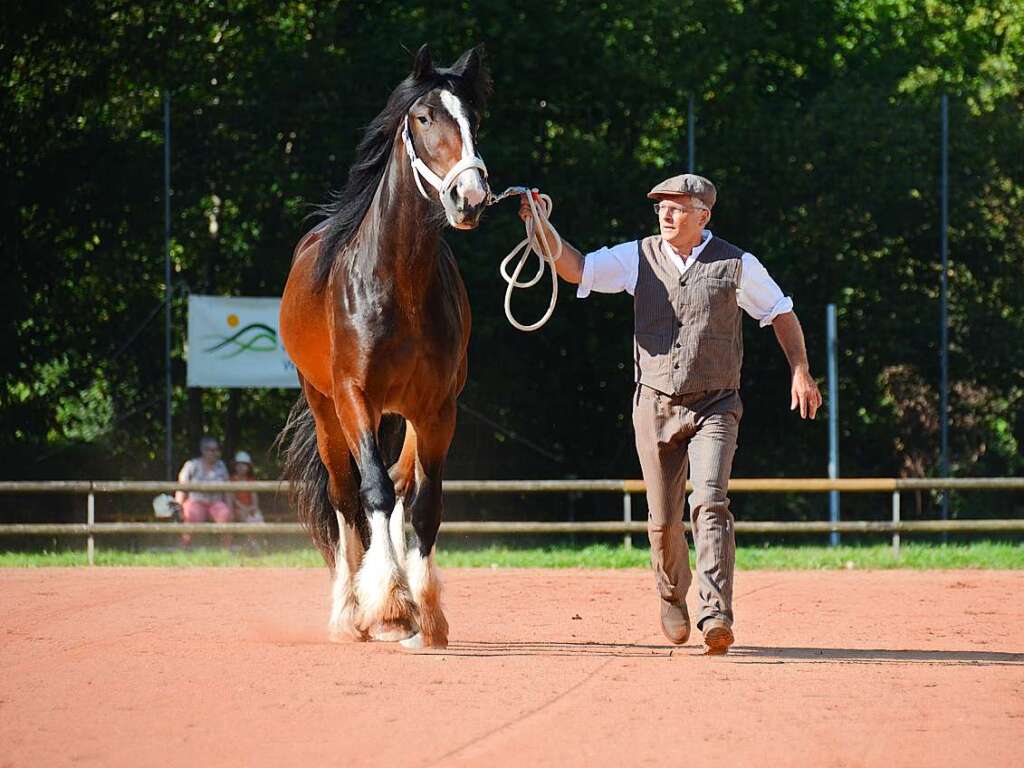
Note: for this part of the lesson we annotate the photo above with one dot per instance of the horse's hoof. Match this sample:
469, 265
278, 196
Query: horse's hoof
419, 640
393, 631
413, 643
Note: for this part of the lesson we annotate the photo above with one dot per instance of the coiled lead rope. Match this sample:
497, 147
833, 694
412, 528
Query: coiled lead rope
535, 242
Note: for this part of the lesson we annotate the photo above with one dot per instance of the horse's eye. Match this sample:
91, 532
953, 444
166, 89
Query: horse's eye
423, 120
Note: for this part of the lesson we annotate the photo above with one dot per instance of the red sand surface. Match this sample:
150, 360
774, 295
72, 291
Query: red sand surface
141, 667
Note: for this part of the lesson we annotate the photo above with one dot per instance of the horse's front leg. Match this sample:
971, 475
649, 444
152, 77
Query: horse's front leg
348, 549
433, 440
385, 605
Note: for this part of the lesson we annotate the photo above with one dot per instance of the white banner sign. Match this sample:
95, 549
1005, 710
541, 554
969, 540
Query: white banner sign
233, 342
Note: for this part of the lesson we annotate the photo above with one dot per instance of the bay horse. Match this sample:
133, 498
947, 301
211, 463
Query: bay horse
376, 318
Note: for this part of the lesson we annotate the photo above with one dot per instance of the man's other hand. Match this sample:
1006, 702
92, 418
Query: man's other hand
804, 393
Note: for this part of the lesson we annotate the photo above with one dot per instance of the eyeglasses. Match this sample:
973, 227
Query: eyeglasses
676, 210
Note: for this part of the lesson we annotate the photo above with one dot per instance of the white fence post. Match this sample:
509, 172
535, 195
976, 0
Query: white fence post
90, 520
627, 518
896, 519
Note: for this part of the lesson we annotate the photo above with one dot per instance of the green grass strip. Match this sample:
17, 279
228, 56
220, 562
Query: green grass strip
987, 555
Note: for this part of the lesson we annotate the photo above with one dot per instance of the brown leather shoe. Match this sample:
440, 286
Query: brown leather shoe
675, 622
717, 637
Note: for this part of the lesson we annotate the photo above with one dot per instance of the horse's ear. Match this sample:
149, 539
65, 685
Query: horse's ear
423, 65
469, 63
472, 68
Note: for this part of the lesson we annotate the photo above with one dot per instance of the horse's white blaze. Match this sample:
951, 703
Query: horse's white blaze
343, 621
379, 580
470, 185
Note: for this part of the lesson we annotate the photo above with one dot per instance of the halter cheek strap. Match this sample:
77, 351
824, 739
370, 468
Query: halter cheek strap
421, 169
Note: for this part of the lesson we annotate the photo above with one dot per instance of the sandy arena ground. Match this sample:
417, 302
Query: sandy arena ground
141, 667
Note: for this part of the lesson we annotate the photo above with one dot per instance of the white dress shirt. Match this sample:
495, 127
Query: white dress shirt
614, 269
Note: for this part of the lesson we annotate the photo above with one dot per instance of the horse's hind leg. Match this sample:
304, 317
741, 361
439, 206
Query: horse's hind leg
380, 584
341, 489
424, 578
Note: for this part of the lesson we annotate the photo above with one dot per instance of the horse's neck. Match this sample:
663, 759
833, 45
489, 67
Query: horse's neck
407, 239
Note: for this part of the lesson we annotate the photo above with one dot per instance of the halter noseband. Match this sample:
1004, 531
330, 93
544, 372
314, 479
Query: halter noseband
443, 186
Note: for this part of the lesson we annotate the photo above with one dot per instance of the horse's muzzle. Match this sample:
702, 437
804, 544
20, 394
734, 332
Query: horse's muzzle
463, 214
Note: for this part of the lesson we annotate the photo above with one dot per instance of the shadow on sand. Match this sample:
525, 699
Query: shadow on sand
740, 654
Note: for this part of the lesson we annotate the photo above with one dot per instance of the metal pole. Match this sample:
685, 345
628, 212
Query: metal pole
691, 126
896, 519
169, 468
627, 517
944, 407
90, 520
833, 419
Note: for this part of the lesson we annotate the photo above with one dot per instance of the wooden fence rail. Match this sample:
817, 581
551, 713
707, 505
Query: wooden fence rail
627, 526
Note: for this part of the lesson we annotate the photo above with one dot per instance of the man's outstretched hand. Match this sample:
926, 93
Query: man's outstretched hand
804, 393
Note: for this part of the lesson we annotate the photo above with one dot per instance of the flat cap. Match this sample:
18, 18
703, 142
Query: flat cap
689, 184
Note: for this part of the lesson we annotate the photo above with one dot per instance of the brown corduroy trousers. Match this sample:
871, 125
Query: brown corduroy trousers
698, 430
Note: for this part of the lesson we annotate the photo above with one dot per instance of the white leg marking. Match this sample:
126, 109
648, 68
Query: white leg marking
344, 607
380, 584
396, 529
418, 570
425, 586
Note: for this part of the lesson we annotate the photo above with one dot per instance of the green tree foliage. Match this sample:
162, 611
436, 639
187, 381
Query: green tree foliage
819, 123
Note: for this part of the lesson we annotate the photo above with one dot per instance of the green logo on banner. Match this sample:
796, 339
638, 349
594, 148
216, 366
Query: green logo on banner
254, 337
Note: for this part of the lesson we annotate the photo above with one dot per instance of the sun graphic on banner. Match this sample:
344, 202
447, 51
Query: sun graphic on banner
232, 320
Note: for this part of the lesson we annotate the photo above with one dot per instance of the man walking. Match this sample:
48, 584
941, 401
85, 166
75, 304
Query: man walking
688, 288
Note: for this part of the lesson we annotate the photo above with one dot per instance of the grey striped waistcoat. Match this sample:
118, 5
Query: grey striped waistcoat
687, 328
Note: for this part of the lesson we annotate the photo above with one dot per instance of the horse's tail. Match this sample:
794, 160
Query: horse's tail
307, 475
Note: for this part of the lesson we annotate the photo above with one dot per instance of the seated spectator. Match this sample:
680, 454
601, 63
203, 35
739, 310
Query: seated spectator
199, 507
246, 504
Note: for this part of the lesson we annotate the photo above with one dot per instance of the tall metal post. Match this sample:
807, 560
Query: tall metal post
833, 419
627, 518
691, 130
944, 394
90, 520
896, 520
169, 469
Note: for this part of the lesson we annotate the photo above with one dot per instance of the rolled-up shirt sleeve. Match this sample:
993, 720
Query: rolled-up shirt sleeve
609, 270
759, 295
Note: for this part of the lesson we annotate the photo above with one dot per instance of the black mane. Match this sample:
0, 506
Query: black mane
348, 207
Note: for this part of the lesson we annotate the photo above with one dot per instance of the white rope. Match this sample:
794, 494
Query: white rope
535, 242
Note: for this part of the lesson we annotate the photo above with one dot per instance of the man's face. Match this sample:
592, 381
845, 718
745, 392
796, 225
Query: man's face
681, 219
